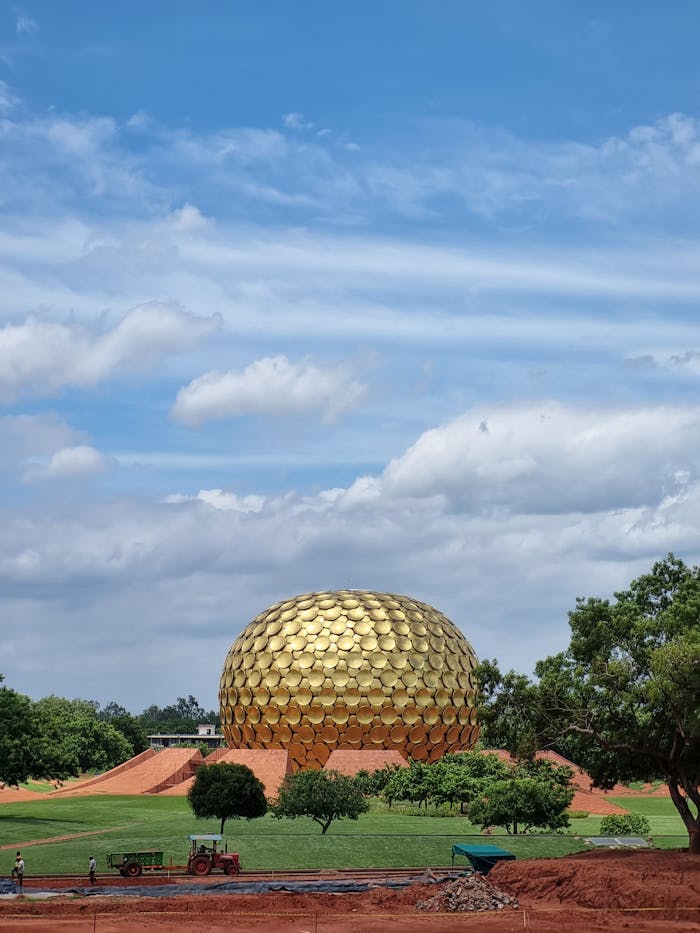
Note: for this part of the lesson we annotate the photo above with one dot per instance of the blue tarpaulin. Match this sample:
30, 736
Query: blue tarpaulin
256, 887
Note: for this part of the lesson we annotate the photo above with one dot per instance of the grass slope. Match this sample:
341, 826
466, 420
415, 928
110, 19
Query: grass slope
375, 840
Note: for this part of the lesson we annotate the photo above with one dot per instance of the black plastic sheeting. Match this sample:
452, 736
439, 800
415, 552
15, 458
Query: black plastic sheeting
256, 887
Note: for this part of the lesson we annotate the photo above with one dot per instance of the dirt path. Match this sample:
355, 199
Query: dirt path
92, 832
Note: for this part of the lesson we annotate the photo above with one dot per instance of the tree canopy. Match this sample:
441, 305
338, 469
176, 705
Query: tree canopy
226, 791
623, 700
21, 752
322, 795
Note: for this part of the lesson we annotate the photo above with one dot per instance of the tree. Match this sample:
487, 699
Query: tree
224, 792
181, 717
508, 706
132, 730
322, 795
21, 752
625, 696
522, 803
464, 777
76, 739
625, 824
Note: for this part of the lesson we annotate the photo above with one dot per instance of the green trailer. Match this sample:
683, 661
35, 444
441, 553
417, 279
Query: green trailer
133, 864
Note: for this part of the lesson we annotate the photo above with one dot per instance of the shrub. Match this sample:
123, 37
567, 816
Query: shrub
578, 814
625, 824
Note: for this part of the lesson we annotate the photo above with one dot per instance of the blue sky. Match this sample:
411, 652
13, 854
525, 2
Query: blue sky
307, 296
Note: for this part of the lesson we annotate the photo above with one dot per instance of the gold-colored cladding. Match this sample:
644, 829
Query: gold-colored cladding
350, 669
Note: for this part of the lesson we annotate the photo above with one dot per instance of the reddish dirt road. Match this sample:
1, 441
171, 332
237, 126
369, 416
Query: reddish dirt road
644, 892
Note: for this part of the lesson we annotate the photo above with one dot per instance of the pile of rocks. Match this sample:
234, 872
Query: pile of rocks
470, 893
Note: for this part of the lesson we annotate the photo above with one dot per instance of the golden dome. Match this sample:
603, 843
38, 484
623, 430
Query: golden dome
350, 669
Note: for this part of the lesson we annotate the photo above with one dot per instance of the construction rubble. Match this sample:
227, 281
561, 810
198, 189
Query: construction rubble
471, 892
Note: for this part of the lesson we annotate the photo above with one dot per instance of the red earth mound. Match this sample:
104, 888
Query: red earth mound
268, 765
108, 775
644, 892
146, 774
349, 761
17, 794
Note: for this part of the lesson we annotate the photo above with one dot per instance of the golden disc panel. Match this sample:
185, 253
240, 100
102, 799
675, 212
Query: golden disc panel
350, 669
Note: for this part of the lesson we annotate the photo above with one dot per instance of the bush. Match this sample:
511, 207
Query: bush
625, 824
578, 814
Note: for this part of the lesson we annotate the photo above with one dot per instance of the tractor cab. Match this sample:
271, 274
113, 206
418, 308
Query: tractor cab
204, 855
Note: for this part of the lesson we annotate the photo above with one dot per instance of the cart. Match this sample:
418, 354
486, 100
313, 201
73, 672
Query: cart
133, 864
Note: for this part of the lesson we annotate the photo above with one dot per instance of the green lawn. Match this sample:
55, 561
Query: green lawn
377, 839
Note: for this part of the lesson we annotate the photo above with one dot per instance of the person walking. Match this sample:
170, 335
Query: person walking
92, 868
19, 871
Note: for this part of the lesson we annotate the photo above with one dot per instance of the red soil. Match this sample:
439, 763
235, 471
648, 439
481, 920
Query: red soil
644, 892
147, 774
350, 762
268, 765
17, 794
108, 775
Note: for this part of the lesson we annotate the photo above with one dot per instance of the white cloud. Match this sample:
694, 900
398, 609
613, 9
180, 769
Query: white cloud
131, 572
25, 24
41, 357
7, 99
72, 462
219, 499
296, 121
24, 438
545, 459
272, 386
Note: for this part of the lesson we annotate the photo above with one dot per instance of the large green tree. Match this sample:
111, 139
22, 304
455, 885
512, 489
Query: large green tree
226, 791
322, 795
22, 753
623, 701
76, 739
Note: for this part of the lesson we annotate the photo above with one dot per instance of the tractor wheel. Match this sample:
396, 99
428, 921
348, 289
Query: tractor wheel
201, 866
132, 870
230, 869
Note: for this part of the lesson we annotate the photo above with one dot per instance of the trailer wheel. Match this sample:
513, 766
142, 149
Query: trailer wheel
201, 865
132, 870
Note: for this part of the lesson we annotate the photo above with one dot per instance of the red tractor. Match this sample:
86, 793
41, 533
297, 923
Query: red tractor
204, 857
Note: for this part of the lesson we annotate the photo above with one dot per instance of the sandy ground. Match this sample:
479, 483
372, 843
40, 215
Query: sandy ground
644, 892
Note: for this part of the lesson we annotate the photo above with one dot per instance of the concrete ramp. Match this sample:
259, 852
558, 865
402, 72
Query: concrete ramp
351, 761
151, 775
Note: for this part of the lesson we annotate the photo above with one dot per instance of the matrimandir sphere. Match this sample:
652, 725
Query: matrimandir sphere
350, 669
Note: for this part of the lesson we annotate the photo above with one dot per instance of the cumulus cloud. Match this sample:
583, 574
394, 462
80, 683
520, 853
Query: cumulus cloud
545, 459
40, 357
189, 578
27, 437
71, 462
219, 499
273, 386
